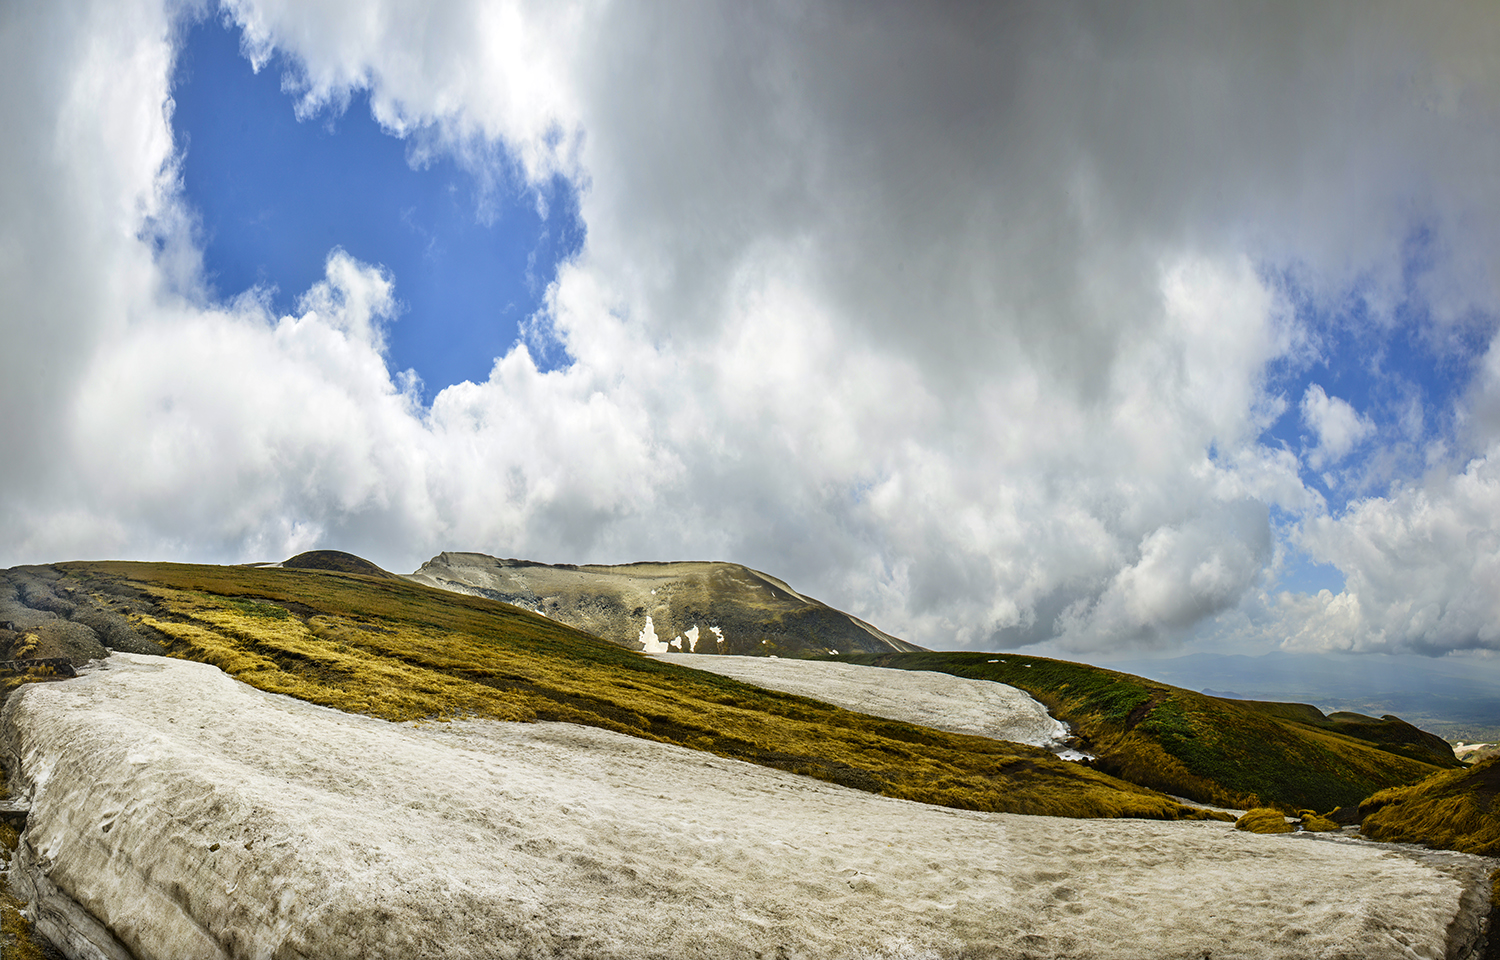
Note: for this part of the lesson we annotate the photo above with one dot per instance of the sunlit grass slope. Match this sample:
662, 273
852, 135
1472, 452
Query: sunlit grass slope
1233, 753
405, 652
1455, 809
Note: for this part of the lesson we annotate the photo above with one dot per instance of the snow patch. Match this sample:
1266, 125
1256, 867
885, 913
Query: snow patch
648, 637
692, 637
937, 700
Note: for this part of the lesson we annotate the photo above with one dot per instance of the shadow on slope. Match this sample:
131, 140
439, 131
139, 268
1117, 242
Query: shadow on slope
401, 651
1232, 753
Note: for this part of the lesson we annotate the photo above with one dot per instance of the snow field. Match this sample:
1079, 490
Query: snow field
198, 817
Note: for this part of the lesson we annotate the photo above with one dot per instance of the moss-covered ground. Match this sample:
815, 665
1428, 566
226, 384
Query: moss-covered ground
397, 650
1231, 753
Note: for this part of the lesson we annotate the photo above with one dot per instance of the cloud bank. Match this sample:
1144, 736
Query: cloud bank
967, 321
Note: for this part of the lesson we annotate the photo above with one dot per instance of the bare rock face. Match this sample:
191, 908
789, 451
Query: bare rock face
688, 607
178, 814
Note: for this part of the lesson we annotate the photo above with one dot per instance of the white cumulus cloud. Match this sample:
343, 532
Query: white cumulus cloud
1337, 426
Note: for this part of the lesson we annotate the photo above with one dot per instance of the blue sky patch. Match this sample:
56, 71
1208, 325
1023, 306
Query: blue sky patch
1404, 382
275, 195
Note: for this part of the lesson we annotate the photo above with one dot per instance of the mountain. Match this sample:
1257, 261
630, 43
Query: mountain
336, 560
1458, 698
403, 651
398, 649
693, 607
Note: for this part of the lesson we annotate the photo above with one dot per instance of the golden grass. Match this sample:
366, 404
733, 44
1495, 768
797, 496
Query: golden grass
403, 652
1455, 810
1263, 820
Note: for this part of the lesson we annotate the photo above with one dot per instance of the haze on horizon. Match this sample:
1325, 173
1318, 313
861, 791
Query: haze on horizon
1098, 329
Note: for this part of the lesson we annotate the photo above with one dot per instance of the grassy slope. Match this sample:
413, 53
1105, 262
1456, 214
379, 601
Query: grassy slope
1234, 753
402, 651
1455, 809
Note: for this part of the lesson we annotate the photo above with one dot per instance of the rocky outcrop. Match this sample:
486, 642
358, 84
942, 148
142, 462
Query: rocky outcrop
42, 616
178, 814
685, 607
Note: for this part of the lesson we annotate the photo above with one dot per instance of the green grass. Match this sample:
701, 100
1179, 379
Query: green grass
400, 651
1231, 753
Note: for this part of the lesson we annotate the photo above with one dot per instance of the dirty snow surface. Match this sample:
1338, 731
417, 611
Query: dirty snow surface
197, 817
930, 699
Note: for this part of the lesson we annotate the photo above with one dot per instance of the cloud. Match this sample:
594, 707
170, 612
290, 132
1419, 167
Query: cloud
1422, 564
1422, 569
959, 319
1337, 426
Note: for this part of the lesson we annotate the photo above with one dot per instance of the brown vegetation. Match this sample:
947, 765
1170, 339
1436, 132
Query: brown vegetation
1263, 820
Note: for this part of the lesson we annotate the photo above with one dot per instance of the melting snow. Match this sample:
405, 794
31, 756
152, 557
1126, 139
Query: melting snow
648, 637
931, 699
249, 825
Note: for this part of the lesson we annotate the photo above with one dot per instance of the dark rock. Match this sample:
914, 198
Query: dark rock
118, 633
75, 642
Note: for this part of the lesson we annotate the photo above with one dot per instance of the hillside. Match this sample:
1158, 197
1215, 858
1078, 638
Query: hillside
337, 561
174, 812
1457, 698
1455, 810
397, 650
1233, 753
681, 607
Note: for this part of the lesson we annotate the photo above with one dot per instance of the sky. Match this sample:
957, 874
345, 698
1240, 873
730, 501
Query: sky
1082, 328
